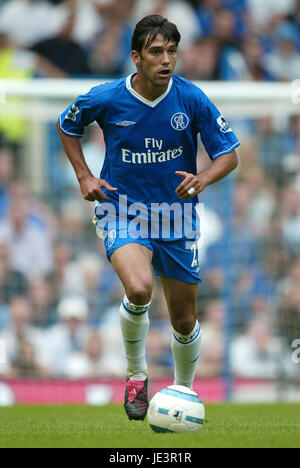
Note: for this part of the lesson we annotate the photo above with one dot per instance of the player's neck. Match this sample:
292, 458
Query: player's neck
146, 89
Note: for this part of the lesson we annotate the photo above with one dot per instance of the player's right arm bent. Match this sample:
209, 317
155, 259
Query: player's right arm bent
90, 185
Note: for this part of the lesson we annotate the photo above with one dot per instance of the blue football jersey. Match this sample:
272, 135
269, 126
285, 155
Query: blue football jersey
147, 142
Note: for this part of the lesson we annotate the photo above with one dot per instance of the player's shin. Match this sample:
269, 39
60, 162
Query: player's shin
186, 351
135, 325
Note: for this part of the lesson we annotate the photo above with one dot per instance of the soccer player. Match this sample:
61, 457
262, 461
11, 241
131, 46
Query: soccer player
151, 121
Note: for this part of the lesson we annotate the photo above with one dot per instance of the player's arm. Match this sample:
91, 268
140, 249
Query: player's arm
90, 186
219, 169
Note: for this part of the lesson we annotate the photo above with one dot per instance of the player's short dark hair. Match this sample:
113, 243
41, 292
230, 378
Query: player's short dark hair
149, 27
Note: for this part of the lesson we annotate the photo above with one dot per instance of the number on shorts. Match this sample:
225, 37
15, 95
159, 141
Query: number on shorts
194, 249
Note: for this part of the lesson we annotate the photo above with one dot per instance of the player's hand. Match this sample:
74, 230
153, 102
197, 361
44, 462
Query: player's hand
91, 188
191, 183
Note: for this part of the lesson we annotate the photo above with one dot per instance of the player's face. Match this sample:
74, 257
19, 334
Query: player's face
157, 62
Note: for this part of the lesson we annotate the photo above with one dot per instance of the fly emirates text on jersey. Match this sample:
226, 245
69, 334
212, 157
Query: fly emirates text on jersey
153, 153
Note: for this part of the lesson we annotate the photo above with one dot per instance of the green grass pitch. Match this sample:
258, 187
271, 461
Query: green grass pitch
227, 425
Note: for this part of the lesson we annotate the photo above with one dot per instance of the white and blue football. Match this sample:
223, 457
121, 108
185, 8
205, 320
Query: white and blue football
176, 409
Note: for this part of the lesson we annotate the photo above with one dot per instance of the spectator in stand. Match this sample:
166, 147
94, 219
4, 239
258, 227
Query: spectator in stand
294, 137
224, 29
87, 19
260, 354
284, 61
159, 355
62, 258
83, 276
247, 64
224, 32
29, 21
291, 218
177, 11
272, 146
110, 50
93, 362
159, 310
261, 189
12, 283
253, 286
289, 303
109, 330
20, 330
263, 207
207, 11
6, 174
25, 365
61, 50
89, 276
275, 256
295, 16
264, 13
214, 285
42, 298
69, 335
243, 244
223, 23
56, 32
30, 244
72, 226
16, 63
40, 214
200, 60
108, 57
212, 354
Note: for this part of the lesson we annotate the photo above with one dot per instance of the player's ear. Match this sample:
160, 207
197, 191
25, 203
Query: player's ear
136, 57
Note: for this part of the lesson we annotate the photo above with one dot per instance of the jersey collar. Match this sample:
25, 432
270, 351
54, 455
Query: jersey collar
141, 98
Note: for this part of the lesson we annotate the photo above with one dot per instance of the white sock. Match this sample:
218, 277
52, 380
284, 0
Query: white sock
186, 350
135, 325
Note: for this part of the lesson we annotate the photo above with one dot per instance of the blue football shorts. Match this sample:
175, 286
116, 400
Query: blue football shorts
177, 259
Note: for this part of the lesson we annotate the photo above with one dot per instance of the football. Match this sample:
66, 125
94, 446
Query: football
176, 409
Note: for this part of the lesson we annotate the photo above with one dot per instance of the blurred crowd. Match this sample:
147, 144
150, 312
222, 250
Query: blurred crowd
59, 296
221, 39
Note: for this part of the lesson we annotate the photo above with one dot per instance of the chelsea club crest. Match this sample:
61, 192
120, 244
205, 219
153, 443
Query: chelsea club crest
111, 238
180, 121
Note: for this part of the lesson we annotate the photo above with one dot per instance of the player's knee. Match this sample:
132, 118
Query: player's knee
184, 325
139, 293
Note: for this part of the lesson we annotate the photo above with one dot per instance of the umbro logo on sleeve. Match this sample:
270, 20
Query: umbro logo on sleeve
125, 123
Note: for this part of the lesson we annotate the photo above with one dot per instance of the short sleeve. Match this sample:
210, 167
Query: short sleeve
81, 113
216, 133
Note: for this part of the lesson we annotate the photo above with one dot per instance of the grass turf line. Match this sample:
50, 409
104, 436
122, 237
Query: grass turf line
227, 425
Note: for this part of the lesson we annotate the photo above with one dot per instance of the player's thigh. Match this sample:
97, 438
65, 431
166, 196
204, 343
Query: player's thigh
182, 303
132, 263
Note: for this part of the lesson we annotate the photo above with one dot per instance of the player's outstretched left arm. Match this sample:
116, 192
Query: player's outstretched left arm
195, 184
